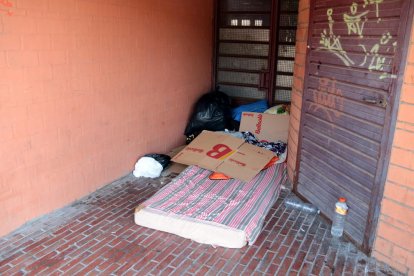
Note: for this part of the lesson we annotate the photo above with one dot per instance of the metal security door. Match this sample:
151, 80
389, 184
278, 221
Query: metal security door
249, 45
243, 48
285, 49
353, 61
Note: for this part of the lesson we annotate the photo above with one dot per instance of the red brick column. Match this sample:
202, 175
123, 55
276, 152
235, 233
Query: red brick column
297, 91
394, 243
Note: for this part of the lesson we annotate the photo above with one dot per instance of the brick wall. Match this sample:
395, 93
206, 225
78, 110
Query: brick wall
394, 243
87, 87
297, 89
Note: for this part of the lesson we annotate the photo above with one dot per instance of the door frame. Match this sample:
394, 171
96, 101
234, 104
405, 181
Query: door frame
273, 44
215, 44
389, 126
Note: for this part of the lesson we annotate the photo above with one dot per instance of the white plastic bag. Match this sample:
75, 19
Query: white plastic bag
147, 167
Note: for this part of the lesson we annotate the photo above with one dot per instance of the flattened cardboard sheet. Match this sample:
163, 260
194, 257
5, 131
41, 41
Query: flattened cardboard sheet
226, 154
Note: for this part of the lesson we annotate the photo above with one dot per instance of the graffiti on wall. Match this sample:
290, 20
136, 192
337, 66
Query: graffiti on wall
5, 7
328, 99
373, 57
354, 21
332, 42
376, 61
376, 3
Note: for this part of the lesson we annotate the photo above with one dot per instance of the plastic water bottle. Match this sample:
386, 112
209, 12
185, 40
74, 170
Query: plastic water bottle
338, 222
295, 203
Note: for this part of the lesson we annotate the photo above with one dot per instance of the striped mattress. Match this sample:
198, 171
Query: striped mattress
193, 206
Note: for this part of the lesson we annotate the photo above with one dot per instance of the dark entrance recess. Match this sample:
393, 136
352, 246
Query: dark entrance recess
255, 49
353, 72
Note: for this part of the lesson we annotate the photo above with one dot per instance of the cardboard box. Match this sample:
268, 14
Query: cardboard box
268, 127
226, 154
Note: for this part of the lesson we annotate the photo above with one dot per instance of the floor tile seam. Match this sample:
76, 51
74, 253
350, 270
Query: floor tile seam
227, 261
66, 261
297, 233
12, 250
199, 257
278, 219
281, 228
269, 263
250, 262
306, 236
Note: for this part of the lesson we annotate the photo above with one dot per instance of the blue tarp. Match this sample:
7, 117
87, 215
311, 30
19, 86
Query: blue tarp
259, 106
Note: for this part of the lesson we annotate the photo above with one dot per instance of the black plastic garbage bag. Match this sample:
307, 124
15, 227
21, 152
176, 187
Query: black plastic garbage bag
212, 112
163, 159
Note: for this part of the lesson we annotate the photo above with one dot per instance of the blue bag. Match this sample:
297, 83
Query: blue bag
259, 106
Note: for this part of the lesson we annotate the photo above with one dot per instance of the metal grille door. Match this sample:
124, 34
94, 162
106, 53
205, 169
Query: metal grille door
251, 56
243, 47
287, 19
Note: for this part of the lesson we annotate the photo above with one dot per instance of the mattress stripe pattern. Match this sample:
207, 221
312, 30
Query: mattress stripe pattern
232, 203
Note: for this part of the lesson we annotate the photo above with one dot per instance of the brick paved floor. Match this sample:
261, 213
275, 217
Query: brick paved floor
97, 235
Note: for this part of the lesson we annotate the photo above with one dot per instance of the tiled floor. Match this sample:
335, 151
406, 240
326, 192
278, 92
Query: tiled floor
97, 235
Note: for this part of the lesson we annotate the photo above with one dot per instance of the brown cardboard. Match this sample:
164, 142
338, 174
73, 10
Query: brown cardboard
176, 150
226, 154
268, 127
174, 168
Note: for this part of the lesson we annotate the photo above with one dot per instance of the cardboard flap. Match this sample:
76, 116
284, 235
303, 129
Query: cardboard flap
246, 162
208, 150
226, 154
268, 127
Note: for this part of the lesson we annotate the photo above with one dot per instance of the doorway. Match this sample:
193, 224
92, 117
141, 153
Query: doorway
255, 49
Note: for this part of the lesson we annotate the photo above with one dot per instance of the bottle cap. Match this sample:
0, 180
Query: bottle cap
342, 199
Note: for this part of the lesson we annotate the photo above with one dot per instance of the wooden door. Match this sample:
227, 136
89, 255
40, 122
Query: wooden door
353, 61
